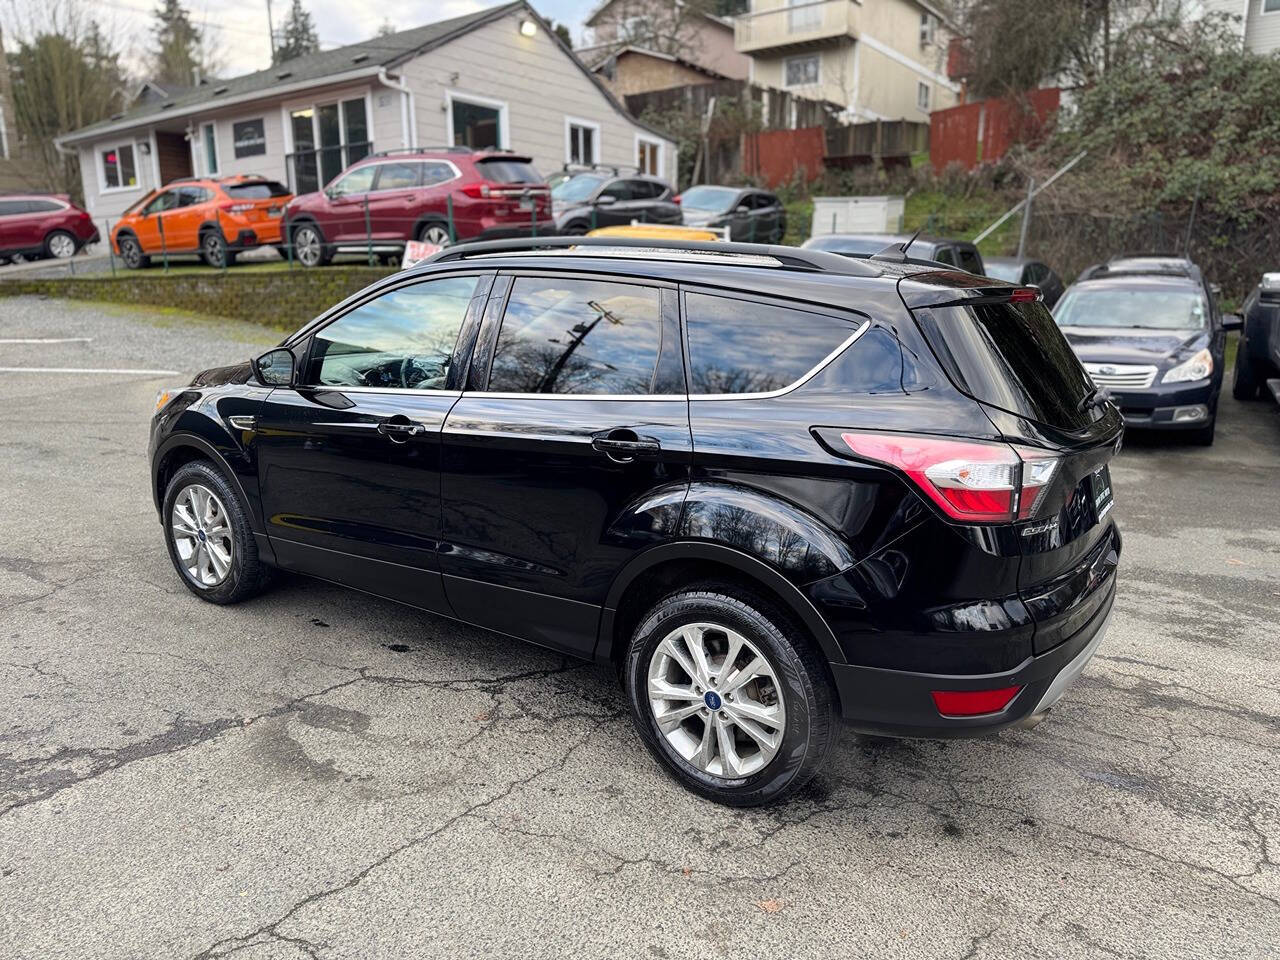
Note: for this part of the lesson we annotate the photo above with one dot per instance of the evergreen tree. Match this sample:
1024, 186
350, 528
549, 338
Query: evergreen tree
298, 34
178, 57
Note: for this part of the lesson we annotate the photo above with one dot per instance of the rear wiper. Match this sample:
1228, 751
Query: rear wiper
1096, 397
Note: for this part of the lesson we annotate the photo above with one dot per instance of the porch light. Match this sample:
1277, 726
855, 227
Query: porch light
528, 28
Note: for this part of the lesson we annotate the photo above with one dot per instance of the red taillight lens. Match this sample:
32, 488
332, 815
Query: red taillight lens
971, 480
676, 199
973, 703
1024, 295
477, 191
236, 207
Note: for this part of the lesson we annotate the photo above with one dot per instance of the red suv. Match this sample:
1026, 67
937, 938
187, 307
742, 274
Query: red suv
40, 225
435, 194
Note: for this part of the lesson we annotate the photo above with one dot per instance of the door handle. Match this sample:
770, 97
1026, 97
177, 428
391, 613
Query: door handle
623, 446
400, 430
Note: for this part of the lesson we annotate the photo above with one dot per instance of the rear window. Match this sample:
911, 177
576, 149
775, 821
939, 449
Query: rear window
713, 199
256, 190
742, 346
1012, 356
509, 171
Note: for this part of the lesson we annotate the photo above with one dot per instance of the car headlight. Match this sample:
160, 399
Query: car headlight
1198, 367
164, 396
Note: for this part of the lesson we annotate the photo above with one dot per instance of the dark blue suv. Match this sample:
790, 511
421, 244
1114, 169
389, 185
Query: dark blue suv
771, 487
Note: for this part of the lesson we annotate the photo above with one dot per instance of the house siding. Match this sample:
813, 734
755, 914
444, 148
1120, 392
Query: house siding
1262, 30
636, 72
707, 43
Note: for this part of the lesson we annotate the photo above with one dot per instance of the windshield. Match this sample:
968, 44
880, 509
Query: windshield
1150, 308
1008, 272
576, 188
713, 199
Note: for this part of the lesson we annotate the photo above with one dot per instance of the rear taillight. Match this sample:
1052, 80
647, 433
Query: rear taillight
1025, 295
676, 199
971, 480
973, 703
236, 207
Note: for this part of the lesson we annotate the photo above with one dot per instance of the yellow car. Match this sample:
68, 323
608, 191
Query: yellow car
657, 231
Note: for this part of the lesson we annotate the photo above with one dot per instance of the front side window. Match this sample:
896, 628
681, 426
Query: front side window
401, 340
577, 337
118, 168
801, 70
359, 180
576, 189
742, 346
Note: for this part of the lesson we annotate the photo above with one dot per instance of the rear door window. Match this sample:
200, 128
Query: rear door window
571, 336
744, 346
396, 176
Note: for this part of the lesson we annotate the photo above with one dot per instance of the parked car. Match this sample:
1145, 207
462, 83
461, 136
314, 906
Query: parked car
585, 200
212, 217
437, 195
42, 225
956, 253
750, 215
1026, 273
1258, 353
1149, 330
812, 516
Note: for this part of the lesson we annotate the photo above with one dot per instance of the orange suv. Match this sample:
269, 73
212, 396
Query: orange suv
214, 217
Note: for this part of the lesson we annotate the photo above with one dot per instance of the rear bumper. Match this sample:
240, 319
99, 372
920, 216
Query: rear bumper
1176, 407
900, 704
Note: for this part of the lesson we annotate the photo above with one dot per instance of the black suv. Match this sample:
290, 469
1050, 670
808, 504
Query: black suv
584, 200
771, 487
1149, 330
959, 253
749, 215
1258, 355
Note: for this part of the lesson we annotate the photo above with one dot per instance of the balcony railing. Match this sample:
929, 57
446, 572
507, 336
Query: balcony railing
797, 25
309, 170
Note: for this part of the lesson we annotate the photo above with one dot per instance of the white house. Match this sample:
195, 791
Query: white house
496, 78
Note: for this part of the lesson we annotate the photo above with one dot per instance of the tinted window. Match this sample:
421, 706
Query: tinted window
402, 339
1013, 356
576, 189
256, 190
738, 346
969, 259
509, 171
164, 201
944, 255
621, 190
397, 176
433, 173
577, 336
10, 208
712, 199
359, 180
42, 206
190, 196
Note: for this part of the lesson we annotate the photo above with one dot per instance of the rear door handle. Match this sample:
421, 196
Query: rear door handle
399, 429
623, 446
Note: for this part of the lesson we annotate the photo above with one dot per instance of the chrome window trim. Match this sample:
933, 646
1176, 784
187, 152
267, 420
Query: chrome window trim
397, 391
658, 397
408, 158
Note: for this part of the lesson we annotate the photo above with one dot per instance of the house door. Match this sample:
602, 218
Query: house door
172, 156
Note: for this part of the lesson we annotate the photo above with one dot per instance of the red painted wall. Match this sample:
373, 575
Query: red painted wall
982, 132
775, 155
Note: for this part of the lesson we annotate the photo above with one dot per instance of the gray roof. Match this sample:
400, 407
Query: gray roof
368, 57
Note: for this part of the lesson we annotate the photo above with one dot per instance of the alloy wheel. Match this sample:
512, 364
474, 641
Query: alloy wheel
306, 243
437, 235
716, 699
62, 245
215, 251
202, 535
130, 253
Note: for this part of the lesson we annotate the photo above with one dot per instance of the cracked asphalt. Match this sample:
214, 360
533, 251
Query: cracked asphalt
318, 773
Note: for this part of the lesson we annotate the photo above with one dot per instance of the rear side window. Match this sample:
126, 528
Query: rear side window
256, 190
401, 340
741, 346
508, 171
433, 173
42, 206
577, 337
1012, 356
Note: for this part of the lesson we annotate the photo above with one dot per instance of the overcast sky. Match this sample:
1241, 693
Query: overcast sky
239, 27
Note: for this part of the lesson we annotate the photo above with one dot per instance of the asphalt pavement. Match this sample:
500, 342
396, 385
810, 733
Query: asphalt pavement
318, 773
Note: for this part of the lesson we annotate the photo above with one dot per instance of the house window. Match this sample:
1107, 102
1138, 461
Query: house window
806, 16
649, 156
928, 24
210, 137
477, 123
1271, 6
801, 70
922, 96
327, 138
119, 172
582, 141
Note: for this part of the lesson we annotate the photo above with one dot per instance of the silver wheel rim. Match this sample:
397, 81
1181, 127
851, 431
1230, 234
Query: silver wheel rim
716, 700
308, 246
62, 246
437, 235
213, 250
130, 253
202, 535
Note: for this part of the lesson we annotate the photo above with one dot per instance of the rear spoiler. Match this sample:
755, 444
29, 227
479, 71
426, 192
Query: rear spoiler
951, 287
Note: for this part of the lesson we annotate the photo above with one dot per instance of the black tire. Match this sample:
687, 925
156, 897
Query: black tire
131, 253
309, 248
214, 250
1203, 437
578, 229
434, 232
60, 245
283, 250
1247, 380
247, 575
804, 686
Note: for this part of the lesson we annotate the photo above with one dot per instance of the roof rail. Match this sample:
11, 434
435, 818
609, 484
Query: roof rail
614, 168
791, 258
426, 149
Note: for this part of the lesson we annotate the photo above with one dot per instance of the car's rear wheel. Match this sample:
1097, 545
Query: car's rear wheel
729, 695
214, 250
575, 230
60, 244
1247, 381
435, 233
308, 246
210, 542
131, 253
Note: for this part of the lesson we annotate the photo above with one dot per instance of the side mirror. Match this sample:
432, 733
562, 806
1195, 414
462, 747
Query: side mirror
606, 200
1232, 321
275, 368
742, 208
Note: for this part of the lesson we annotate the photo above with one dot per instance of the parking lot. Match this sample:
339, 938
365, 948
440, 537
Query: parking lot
318, 773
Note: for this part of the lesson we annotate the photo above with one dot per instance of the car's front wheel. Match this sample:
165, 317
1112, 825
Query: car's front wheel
211, 544
730, 695
309, 247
